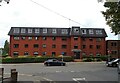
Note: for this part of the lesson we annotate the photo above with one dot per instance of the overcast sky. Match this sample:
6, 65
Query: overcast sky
51, 13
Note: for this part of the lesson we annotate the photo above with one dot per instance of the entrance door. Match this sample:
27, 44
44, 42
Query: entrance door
77, 55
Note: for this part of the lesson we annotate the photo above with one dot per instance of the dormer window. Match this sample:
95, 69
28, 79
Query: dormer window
64, 31
37, 30
83, 31
54, 31
91, 31
76, 30
29, 30
16, 30
22, 30
98, 31
44, 30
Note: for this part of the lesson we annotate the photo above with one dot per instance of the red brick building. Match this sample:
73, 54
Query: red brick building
46, 41
113, 48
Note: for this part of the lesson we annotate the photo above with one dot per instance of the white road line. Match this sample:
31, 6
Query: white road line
47, 79
79, 79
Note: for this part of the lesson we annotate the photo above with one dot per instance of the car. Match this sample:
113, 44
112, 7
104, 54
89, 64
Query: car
113, 62
54, 62
118, 67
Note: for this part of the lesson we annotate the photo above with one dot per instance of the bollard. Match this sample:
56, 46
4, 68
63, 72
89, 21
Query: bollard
14, 75
2, 74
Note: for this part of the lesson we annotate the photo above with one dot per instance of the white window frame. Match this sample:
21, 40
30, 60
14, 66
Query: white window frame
84, 31
98, 31
29, 30
23, 30
54, 31
37, 30
76, 30
91, 31
16, 30
44, 30
64, 31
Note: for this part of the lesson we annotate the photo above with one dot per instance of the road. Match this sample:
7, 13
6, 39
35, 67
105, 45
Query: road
78, 72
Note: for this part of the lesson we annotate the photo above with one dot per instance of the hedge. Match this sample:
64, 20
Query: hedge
33, 59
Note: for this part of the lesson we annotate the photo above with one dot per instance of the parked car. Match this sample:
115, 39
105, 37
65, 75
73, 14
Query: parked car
54, 62
113, 63
118, 68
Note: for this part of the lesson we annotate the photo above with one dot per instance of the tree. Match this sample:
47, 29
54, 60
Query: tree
112, 16
6, 48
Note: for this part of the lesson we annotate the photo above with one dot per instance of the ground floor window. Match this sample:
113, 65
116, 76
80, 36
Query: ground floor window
26, 53
35, 53
15, 53
53, 53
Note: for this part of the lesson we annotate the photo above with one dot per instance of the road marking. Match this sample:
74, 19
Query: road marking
47, 79
79, 79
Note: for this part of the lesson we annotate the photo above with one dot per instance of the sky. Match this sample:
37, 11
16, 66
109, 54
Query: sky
52, 13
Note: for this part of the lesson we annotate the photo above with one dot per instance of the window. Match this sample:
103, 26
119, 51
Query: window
83, 39
37, 30
54, 31
26, 45
83, 31
64, 38
98, 54
98, 46
36, 38
76, 47
15, 53
35, 53
53, 53
98, 39
53, 46
44, 53
16, 45
23, 31
26, 53
35, 45
53, 38
29, 30
114, 44
98, 31
64, 46
114, 52
91, 31
30, 38
64, 31
91, 46
75, 38
23, 38
90, 39
44, 38
76, 30
83, 46
16, 38
44, 45
44, 30
16, 30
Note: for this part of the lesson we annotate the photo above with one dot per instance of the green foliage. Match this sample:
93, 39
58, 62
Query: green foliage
112, 16
33, 59
6, 48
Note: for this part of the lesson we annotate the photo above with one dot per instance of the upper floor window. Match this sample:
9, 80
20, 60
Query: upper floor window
76, 47
23, 38
16, 45
30, 38
54, 31
98, 39
64, 31
44, 38
98, 46
64, 38
44, 30
98, 31
83, 31
37, 30
44, 45
90, 39
53, 38
83, 46
75, 38
23, 30
16, 38
16, 30
76, 30
35, 45
64, 46
26, 45
36, 38
114, 44
29, 30
91, 31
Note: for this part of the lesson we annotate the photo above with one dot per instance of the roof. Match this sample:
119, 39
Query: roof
53, 31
